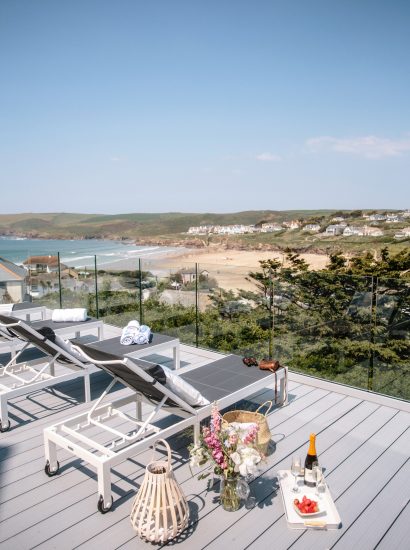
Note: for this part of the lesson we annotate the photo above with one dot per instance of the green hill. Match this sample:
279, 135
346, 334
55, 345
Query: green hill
172, 227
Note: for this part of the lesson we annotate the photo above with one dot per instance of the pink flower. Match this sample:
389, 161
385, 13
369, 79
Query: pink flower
233, 439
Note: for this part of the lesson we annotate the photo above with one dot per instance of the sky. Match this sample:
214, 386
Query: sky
115, 106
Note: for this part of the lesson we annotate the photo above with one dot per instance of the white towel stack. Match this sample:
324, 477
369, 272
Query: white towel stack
75, 315
134, 333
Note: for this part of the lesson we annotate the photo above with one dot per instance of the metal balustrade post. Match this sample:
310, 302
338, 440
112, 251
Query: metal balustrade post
271, 320
96, 288
140, 290
60, 290
196, 307
373, 312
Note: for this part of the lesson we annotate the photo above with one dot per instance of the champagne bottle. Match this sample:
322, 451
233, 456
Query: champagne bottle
311, 457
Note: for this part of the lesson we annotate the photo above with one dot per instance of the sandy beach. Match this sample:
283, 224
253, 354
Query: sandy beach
228, 267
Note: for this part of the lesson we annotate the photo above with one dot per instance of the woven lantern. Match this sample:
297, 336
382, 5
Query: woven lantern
160, 511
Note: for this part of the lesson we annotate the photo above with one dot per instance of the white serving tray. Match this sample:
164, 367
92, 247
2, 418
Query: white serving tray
328, 518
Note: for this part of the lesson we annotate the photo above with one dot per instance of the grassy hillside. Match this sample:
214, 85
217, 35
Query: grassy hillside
171, 227
170, 224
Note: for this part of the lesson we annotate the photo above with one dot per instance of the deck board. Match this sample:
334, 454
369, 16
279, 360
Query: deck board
364, 446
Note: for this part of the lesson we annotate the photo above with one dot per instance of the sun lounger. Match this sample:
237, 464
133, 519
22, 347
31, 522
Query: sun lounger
23, 310
10, 343
22, 378
225, 381
28, 311
158, 343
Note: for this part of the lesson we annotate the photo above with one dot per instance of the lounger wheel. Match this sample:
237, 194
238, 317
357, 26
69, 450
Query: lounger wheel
4, 428
101, 507
49, 472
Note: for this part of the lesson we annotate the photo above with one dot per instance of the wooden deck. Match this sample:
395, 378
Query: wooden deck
363, 442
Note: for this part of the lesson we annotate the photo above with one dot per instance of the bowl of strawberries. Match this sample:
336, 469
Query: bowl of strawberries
306, 507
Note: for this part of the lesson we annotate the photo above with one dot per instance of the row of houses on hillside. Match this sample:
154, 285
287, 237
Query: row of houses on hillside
241, 229
393, 217
353, 230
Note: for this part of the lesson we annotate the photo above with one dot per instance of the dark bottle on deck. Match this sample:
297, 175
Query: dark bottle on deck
311, 457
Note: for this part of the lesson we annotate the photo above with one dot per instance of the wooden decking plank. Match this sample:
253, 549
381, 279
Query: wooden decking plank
397, 535
266, 522
370, 526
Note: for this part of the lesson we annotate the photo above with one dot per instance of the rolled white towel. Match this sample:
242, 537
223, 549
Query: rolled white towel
75, 315
6, 309
130, 333
144, 335
127, 340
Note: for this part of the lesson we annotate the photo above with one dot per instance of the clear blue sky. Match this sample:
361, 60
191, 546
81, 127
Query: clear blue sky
218, 105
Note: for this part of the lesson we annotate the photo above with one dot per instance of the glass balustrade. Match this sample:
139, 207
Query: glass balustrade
348, 329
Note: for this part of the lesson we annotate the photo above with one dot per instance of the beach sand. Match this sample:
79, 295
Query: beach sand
228, 267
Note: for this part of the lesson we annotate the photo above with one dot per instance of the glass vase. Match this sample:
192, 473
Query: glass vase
229, 498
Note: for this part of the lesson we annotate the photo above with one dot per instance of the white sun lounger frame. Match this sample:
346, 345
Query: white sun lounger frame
44, 375
68, 433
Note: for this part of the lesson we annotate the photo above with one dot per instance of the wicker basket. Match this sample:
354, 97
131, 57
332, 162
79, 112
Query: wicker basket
160, 511
264, 435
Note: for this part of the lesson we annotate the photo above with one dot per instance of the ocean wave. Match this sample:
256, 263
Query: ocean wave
142, 251
75, 259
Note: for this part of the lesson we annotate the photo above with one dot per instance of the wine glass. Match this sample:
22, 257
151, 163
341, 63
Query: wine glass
242, 489
317, 471
295, 471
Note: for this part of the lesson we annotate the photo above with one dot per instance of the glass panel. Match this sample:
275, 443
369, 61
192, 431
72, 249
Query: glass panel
169, 299
42, 279
322, 325
234, 313
118, 295
391, 349
78, 287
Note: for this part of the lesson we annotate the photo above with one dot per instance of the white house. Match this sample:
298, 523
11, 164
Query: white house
200, 230
269, 227
372, 231
338, 219
311, 227
335, 229
403, 233
293, 224
377, 218
189, 276
43, 264
394, 218
353, 230
12, 282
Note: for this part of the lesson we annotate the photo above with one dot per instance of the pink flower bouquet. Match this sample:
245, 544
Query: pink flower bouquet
231, 447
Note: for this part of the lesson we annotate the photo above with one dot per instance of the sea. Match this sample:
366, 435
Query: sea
80, 253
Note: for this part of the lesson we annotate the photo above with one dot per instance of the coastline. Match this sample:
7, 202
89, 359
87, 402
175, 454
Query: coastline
222, 257
229, 267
